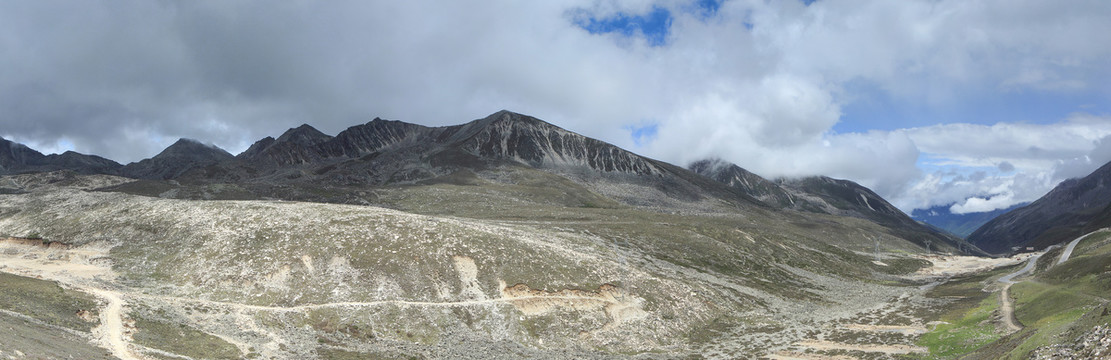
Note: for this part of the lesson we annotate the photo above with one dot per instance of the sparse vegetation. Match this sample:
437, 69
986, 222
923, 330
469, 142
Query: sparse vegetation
182, 339
46, 301
265, 279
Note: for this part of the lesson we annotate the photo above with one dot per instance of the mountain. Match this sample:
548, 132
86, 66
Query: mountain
824, 195
305, 164
1071, 209
176, 160
295, 146
736, 177
957, 224
308, 165
17, 158
503, 237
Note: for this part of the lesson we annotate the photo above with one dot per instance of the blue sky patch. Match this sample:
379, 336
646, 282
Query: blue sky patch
654, 26
707, 8
643, 134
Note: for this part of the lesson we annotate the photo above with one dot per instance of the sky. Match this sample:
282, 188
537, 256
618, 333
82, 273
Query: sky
970, 104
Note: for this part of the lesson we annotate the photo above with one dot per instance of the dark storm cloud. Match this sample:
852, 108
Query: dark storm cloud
144, 72
125, 78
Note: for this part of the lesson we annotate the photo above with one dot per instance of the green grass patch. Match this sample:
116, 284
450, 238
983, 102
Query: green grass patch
337, 354
46, 301
183, 340
964, 332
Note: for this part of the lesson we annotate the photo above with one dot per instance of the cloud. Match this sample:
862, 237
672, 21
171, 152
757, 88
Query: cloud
976, 204
762, 84
1025, 146
983, 168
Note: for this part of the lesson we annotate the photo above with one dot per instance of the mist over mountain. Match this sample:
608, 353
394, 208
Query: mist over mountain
961, 225
1073, 208
17, 158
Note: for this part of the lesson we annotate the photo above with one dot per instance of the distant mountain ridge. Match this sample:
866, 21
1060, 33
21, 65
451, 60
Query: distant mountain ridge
16, 158
958, 224
1074, 207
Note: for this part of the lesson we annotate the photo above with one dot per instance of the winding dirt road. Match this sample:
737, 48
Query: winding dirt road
75, 268
1008, 310
111, 329
1007, 307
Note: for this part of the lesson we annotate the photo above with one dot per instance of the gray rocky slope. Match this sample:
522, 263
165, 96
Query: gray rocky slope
824, 195
1073, 208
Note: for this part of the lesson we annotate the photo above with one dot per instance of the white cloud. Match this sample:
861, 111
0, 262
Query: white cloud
983, 168
1025, 146
977, 204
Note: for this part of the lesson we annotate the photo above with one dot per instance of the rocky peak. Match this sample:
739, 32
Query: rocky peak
737, 177
193, 149
525, 139
14, 155
175, 160
304, 135
299, 145
373, 136
257, 148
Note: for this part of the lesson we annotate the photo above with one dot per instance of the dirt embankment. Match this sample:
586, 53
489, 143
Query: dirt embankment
618, 306
37, 242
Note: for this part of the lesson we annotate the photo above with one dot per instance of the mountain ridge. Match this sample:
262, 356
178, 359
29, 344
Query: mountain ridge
825, 195
1071, 209
18, 158
305, 164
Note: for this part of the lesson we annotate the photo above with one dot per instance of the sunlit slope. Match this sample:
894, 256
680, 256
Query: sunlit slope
528, 261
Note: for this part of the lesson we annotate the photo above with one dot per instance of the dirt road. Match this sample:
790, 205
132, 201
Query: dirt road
111, 330
1072, 245
1008, 309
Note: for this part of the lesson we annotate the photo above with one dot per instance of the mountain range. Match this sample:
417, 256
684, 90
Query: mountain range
306, 164
503, 237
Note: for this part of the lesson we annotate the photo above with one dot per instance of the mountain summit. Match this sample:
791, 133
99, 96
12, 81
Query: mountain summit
175, 160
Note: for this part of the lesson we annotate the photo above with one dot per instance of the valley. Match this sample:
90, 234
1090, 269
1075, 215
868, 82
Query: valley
193, 280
